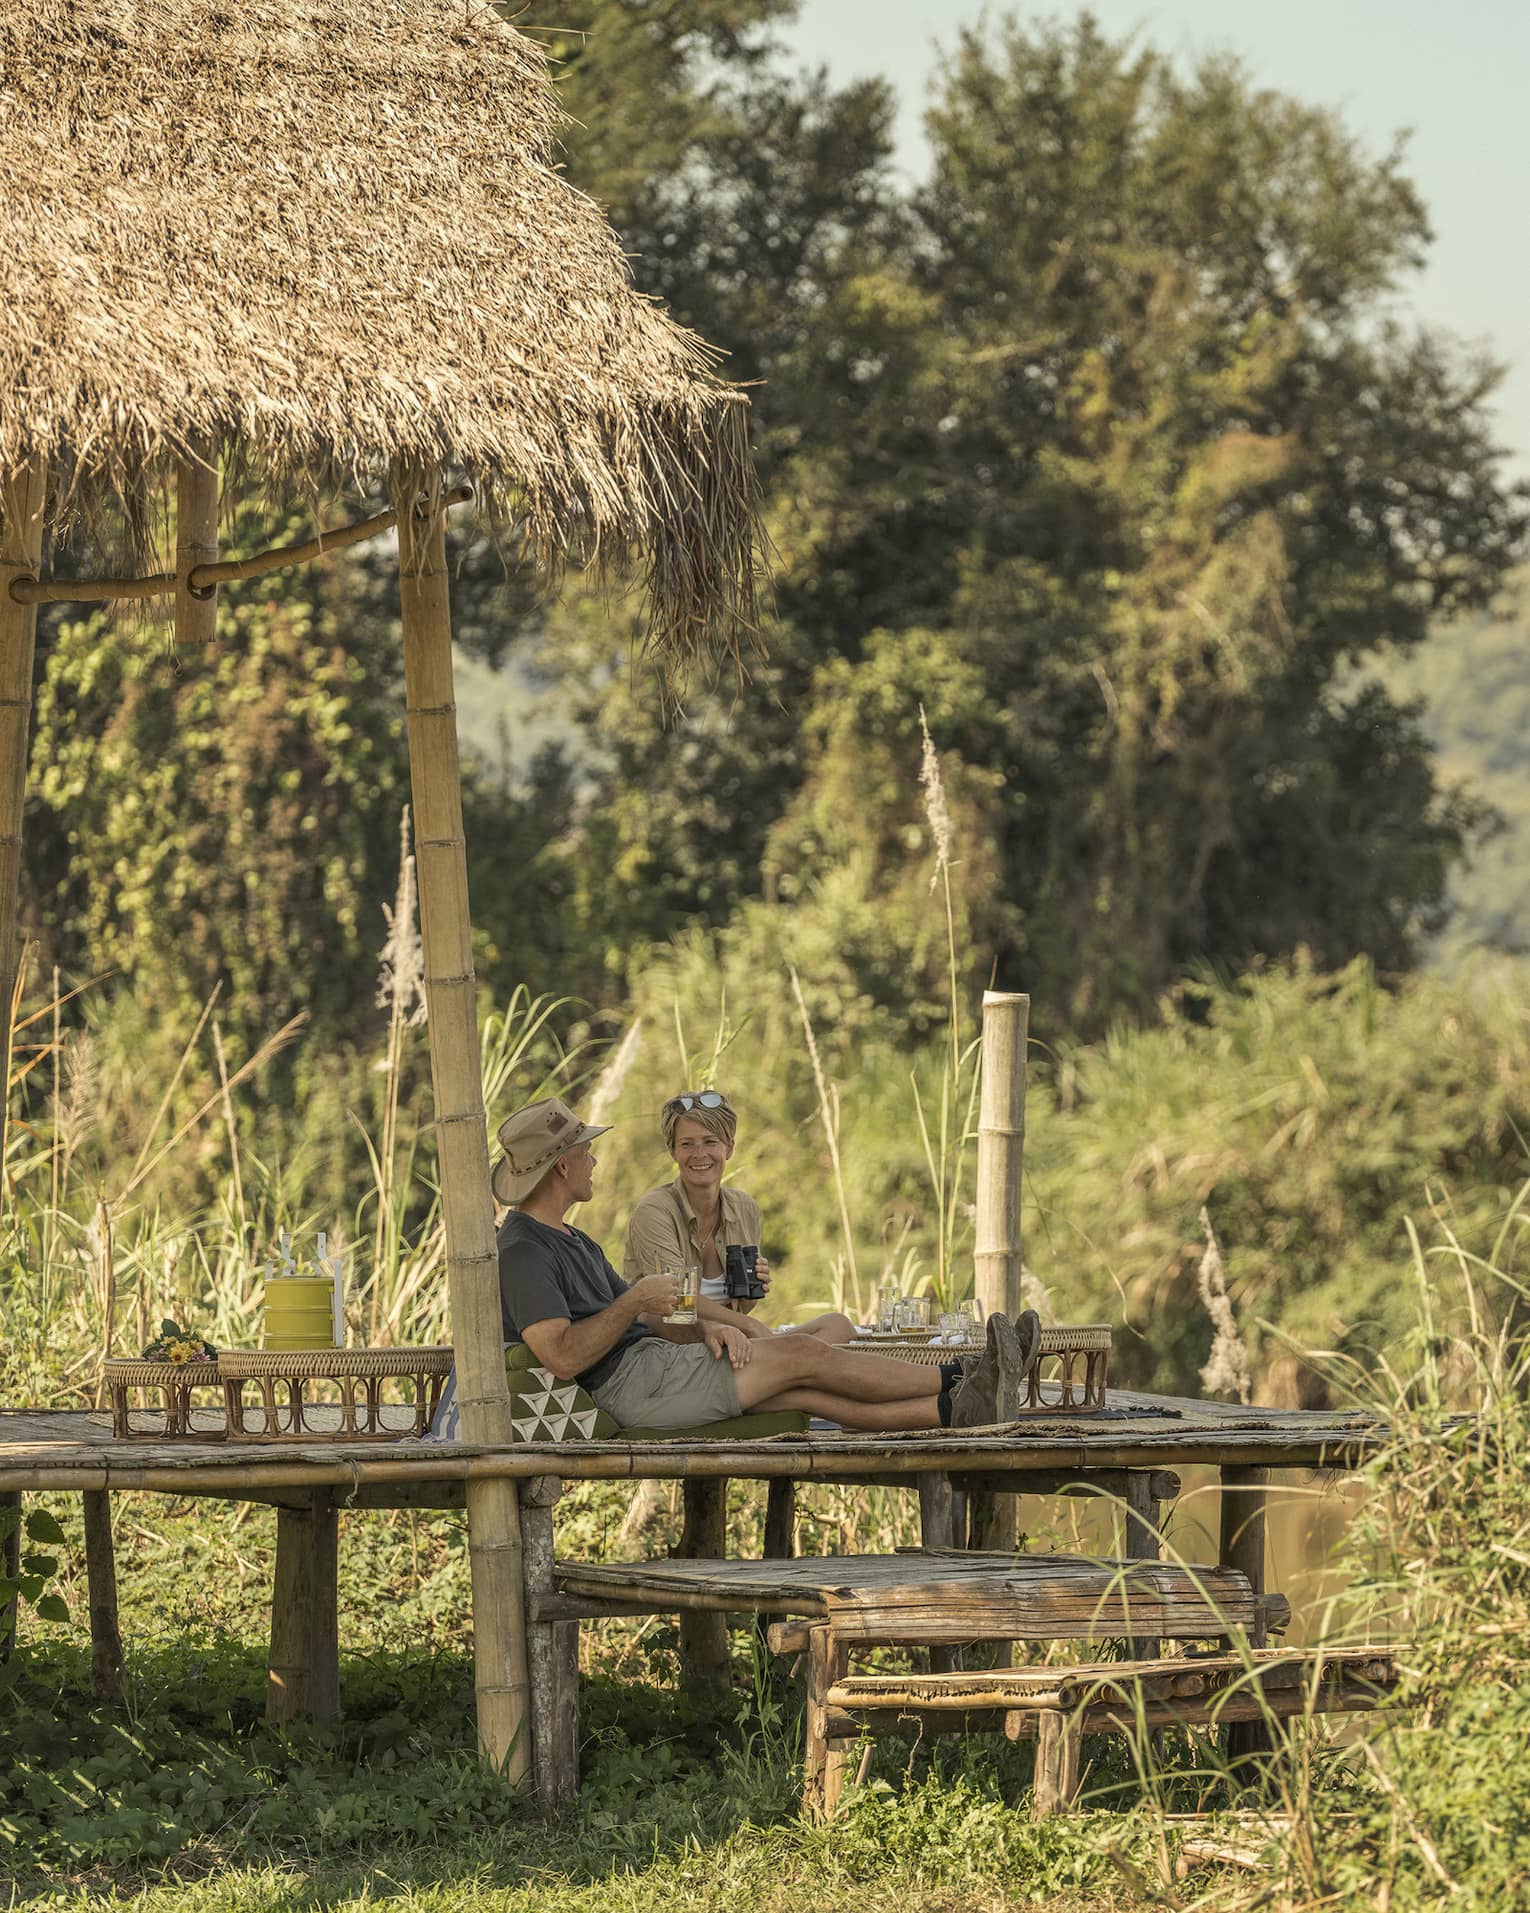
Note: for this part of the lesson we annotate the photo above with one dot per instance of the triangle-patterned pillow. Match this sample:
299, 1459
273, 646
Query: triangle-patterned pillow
544, 1409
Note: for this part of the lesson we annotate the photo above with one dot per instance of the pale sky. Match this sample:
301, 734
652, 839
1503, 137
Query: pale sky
1454, 75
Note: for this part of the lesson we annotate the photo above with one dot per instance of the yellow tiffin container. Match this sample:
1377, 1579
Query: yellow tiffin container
300, 1312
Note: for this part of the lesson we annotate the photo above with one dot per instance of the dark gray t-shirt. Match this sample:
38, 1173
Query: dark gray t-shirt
546, 1273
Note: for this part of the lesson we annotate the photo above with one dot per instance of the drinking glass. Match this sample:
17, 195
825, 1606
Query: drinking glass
887, 1307
953, 1327
971, 1312
684, 1311
912, 1315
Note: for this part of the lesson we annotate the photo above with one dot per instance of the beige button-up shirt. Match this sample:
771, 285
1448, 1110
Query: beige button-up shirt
663, 1234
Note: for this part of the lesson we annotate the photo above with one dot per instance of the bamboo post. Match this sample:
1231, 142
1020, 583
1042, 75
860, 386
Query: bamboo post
1001, 1151
1243, 1548
101, 1581
997, 1255
22, 494
937, 1529
704, 1537
472, 1263
552, 1655
196, 541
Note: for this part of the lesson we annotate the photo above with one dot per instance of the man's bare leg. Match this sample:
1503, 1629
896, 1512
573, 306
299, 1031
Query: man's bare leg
802, 1361
871, 1417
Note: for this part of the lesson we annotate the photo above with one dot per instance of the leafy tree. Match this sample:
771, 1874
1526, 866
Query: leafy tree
230, 815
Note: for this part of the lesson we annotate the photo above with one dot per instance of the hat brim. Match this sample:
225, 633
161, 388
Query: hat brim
510, 1188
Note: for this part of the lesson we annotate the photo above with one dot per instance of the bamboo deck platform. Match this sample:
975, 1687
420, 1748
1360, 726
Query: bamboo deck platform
75, 1450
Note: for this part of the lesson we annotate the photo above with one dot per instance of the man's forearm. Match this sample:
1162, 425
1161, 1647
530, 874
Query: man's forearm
582, 1344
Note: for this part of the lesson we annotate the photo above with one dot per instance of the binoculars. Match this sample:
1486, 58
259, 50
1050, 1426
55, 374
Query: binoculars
740, 1283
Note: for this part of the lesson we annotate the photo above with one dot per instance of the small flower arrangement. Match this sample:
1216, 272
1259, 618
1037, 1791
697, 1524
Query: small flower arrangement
178, 1346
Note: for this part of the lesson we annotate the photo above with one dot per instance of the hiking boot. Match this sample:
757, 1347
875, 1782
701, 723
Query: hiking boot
1027, 1326
992, 1389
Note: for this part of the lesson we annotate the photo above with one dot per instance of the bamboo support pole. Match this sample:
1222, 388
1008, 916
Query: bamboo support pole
22, 495
937, 1529
207, 576
196, 543
704, 1635
824, 1761
472, 1264
101, 1581
1001, 1151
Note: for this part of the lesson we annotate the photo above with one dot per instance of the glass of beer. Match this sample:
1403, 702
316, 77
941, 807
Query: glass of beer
684, 1311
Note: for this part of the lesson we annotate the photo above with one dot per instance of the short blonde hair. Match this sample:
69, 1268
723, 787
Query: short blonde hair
721, 1121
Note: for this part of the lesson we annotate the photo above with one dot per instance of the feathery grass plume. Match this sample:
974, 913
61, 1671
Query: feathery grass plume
401, 969
932, 784
1227, 1366
608, 1085
74, 1112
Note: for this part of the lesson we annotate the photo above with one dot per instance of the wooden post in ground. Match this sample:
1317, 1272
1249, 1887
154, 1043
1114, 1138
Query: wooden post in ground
1243, 1548
781, 1519
997, 1257
472, 1264
552, 1656
22, 494
10, 1566
101, 1581
704, 1635
937, 1529
196, 541
303, 1666
1142, 1541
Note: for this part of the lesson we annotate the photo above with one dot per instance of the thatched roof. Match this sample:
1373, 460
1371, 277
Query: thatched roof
332, 232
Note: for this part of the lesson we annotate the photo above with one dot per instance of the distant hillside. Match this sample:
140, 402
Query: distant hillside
1474, 679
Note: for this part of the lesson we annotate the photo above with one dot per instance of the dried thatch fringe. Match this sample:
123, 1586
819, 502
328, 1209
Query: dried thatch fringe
322, 234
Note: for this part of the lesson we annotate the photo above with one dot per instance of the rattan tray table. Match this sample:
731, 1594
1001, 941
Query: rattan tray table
338, 1393
169, 1418
1068, 1376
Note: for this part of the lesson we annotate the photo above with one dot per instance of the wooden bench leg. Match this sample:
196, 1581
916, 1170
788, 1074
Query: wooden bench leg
825, 1761
1058, 1742
101, 1581
303, 1668
552, 1656
703, 1636
1243, 1547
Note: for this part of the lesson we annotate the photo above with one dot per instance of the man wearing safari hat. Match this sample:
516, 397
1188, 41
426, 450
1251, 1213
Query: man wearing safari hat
563, 1299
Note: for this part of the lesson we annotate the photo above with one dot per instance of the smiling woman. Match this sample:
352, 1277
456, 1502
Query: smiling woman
692, 1222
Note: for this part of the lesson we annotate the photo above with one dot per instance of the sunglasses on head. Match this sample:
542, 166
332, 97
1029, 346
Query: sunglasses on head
707, 1099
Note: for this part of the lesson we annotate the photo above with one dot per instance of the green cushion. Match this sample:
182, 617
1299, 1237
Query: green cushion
544, 1409
780, 1421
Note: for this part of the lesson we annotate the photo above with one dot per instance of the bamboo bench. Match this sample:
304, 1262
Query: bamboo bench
1059, 1705
933, 1598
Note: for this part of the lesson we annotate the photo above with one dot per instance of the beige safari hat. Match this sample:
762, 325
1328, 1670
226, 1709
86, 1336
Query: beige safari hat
533, 1139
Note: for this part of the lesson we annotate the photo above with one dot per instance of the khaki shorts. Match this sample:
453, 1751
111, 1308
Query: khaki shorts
659, 1384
